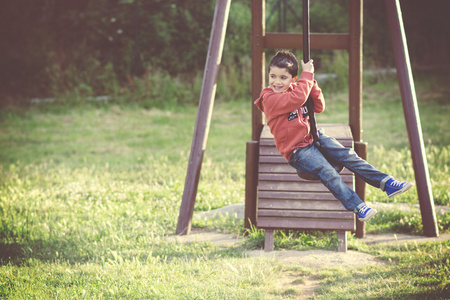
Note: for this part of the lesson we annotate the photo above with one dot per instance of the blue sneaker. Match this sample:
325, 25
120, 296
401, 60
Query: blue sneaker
394, 187
366, 213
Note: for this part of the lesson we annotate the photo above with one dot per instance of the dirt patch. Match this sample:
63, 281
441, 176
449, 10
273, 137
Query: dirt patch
308, 288
318, 259
302, 286
392, 238
201, 235
309, 258
295, 286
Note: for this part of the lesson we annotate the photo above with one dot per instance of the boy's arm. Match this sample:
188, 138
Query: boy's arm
317, 96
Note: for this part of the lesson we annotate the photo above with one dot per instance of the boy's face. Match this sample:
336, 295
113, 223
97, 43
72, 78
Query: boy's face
280, 79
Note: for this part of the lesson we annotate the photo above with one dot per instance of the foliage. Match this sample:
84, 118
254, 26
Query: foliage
73, 50
80, 42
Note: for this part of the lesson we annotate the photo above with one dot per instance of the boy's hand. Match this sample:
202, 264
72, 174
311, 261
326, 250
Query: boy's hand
308, 67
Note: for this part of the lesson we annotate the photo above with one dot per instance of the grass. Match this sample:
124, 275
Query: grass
89, 195
410, 271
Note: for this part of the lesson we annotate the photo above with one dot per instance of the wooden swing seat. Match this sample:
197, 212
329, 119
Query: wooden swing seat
288, 202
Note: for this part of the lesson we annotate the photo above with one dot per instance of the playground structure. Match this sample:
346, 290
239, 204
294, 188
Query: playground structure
352, 42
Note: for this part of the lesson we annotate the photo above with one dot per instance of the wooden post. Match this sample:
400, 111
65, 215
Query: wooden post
258, 70
268, 240
360, 188
411, 112
355, 54
355, 68
251, 176
251, 183
342, 240
204, 115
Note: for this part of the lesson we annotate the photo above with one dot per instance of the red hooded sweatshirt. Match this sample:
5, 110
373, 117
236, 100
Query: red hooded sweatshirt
287, 115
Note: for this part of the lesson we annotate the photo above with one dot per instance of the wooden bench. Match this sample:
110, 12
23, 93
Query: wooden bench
288, 202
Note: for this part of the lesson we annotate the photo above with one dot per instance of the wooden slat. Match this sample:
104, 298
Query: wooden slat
295, 177
313, 204
269, 148
276, 168
298, 186
307, 214
336, 41
305, 224
272, 159
269, 142
296, 195
286, 201
338, 131
272, 150
288, 169
290, 186
266, 142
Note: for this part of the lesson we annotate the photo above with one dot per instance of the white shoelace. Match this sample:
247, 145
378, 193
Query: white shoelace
363, 209
396, 183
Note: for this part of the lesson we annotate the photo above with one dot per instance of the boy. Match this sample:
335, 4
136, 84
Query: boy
283, 103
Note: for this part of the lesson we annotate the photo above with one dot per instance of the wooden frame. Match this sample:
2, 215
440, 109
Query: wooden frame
352, 42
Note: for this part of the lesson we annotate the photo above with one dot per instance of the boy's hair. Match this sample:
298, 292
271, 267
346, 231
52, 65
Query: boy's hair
285, 59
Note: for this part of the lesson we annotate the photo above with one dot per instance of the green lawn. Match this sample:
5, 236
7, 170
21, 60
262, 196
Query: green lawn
89, 195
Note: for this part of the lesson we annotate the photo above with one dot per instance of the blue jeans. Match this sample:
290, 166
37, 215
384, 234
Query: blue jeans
310, 159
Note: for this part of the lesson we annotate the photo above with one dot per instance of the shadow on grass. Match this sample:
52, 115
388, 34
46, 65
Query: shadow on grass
43, 250
72, 253
11, 253
414, 271
416, 285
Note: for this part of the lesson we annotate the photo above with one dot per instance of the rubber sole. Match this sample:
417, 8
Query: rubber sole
372, 212
407, 186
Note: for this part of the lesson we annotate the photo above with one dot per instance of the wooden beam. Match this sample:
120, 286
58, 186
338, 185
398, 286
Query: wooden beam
331, 41
204, 115
411, 112
304, 224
